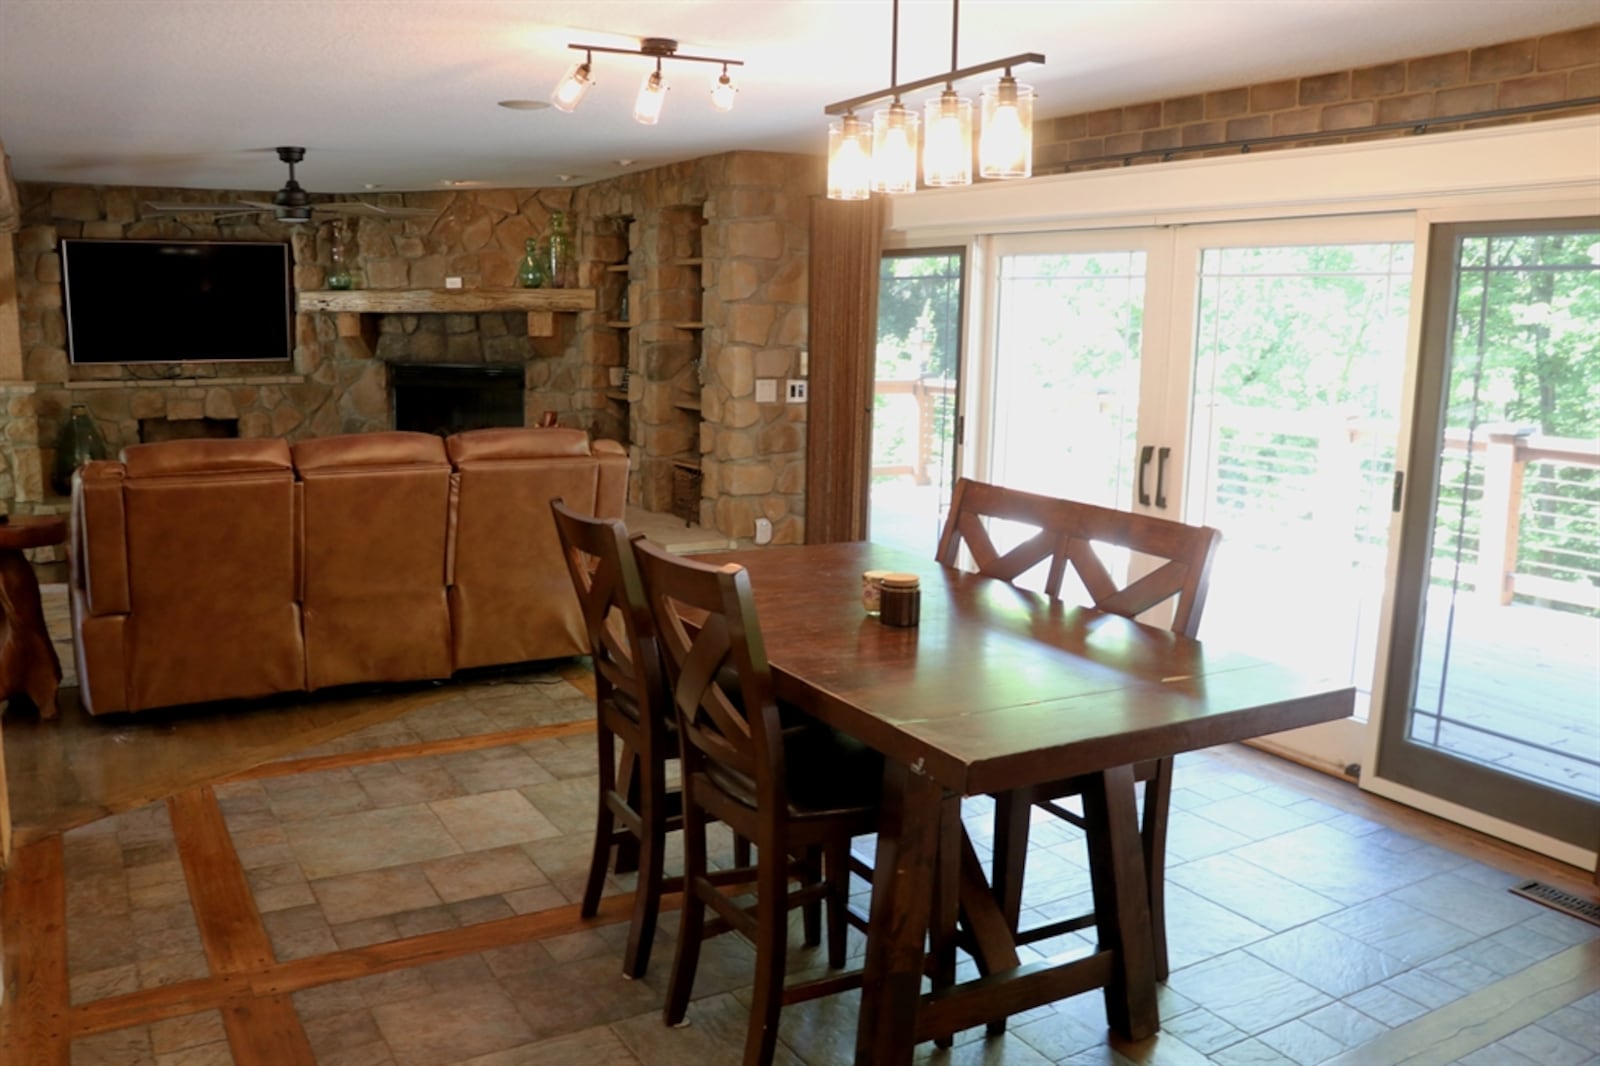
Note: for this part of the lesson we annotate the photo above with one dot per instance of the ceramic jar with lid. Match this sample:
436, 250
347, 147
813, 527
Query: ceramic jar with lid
900, 599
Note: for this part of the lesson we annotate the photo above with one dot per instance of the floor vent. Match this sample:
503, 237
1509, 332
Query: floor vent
1565, 902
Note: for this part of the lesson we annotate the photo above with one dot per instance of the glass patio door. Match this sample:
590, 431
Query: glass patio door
1293, 395
915, 378
1493, 692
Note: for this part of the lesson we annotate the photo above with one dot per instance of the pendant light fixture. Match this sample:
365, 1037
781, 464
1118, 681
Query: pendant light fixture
849, 159
723, 92
947, 153
1005, 150
652, 95
569, 92
1007, 128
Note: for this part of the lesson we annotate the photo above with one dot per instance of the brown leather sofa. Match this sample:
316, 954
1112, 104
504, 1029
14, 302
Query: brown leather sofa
224, 569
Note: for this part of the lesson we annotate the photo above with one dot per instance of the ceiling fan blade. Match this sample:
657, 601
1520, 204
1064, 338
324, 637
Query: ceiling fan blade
261, 205
361, 207
172, 208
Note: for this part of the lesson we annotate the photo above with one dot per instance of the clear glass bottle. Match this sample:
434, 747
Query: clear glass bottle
561, 265
341, 274
533, 271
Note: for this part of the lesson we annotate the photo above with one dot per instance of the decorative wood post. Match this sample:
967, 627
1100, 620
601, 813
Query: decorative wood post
1500, 514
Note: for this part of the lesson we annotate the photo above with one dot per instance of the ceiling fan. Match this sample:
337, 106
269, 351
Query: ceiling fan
291, 204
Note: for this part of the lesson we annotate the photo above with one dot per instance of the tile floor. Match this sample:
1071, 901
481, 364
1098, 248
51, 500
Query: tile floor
1299, 933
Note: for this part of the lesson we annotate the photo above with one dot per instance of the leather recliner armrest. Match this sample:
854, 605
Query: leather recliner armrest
98, 556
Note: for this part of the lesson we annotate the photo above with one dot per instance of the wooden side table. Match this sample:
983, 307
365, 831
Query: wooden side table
28, 662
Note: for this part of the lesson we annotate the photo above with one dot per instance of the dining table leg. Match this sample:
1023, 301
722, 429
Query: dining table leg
903, 873
1122, 902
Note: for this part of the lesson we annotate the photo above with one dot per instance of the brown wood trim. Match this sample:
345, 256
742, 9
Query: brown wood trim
444, 944
266, 1032
449, 746
209, 993
231, 932
33, 915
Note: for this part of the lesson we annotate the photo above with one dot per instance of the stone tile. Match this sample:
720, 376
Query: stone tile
1346, 1025
1343, 868
492, 820
483, 873
1457, 970
715, 1033
1386, 1005
569, 803
120, 1047
298, 933
1251, 1053
1201, 1030
360, 934
1327, 959
1246, 889
1477, 907
323, 800
495, 769
215, 1054
425, 920
583, 994
172, 969
1576, 1022
369, 840
1199, 929
403, 789
374, 893
1496, 1055
1301, 1043
1191, 837
600, 1046
1400, 930
1253, 816
1538, 1043
1423, 988
451, 1026
103, 984
1246, 992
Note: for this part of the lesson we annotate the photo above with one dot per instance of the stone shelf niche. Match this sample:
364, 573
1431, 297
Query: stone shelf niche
541, 305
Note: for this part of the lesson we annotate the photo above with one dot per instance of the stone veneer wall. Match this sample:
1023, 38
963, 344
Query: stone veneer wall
754, 206
1329, 108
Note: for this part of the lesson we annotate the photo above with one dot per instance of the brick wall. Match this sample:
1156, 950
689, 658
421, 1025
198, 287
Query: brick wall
1333, 107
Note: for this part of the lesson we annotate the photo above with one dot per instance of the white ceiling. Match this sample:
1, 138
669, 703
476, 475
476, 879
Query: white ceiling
401, 94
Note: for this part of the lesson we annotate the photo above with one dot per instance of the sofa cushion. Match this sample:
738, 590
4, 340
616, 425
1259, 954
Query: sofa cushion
206, 456
367, 449
516, 443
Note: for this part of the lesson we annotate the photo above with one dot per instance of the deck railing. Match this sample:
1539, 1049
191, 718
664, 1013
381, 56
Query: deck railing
1530, 528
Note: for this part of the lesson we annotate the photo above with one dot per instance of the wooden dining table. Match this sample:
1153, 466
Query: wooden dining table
999, 688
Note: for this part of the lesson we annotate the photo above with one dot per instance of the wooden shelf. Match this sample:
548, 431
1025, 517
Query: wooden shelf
686, 404
616, 394
616, 268
686, 464
619, 324
540, 305
689, 261
690, 325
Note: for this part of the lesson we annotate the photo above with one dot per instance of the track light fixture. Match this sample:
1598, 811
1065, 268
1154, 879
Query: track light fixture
889, 152
653, 92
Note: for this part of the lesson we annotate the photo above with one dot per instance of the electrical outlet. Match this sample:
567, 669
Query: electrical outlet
452, 283
763, 531
766, 390
797, 390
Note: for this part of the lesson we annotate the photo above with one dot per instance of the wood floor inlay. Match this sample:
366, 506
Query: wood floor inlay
393, 881
33, 923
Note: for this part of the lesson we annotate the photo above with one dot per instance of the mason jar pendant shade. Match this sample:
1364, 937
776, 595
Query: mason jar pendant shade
947, 148
652, 94
570, 90
849, 159
1005, 145
894, 149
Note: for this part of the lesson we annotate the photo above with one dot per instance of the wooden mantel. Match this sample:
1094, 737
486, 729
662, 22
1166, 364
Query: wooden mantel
540, 305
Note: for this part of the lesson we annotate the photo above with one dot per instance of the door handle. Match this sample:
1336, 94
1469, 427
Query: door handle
1161, 477
1144, 464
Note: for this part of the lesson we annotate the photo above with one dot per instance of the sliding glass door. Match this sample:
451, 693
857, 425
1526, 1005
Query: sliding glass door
1493, 692
915, 376
1298, 358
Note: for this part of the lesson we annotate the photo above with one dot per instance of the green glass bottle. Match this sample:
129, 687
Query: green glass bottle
561, 264
80, 441
532, 272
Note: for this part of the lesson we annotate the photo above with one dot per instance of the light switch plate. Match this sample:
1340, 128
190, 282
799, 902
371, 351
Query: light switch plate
766, 390
452, 283
797, 390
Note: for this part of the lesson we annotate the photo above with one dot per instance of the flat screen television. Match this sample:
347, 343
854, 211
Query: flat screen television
177, 301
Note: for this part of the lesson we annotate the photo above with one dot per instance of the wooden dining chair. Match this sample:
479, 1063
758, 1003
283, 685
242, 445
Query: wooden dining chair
798, 790
1064, 533
636, 809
